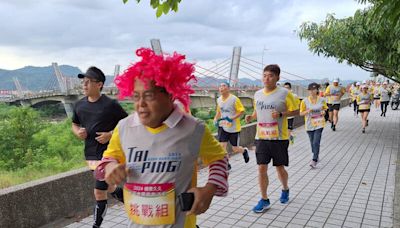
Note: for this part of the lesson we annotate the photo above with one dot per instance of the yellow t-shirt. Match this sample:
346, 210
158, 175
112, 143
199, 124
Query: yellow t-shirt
264, 116
210, 151
334, 92
237, 108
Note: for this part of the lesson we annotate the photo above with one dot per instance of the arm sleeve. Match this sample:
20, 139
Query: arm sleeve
291, 103
302, 106
213, 155
239, 106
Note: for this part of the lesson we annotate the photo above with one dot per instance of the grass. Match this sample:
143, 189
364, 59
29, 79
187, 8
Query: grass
11, 178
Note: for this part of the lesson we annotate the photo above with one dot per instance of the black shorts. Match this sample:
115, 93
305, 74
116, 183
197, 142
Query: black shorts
101, 185
290, 123
277, 150
377, 98
224, 136
365, 110
332, 107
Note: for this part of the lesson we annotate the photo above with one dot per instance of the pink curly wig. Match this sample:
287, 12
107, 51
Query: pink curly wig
168, 71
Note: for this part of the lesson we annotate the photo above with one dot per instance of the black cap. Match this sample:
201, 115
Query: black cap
313, 86
95, 73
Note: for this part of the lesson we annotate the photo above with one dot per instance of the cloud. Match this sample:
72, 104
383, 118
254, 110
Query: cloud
105, 33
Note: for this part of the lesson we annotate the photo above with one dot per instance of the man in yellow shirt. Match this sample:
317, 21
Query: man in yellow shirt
272, 106
227, 119
334, 93
155, 150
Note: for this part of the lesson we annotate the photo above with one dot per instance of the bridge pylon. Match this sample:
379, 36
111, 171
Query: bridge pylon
235, 63
156, 46
18, 86
61, 80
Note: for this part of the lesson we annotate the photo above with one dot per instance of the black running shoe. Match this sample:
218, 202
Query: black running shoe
246, 155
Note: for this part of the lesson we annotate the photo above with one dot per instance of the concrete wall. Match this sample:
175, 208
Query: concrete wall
41, 202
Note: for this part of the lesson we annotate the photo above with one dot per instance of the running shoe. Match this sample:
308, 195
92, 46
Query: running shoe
291, 139
313, 164
284, 196
246, 155
262, 206
334, 128
363, 130
229, 166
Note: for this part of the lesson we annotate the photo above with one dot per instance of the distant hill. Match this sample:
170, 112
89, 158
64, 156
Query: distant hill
38, 78
34, 78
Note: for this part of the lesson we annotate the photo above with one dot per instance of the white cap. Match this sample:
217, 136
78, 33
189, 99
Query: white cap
364, 82
336, 80
358, 83
364, 86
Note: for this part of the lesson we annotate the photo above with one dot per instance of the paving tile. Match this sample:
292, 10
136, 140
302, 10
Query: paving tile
330, 196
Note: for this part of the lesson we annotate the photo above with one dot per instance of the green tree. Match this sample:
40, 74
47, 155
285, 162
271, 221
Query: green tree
162, 7
17, 128
358, 40
385, 11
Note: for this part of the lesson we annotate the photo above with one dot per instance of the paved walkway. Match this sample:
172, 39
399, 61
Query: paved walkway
353, 185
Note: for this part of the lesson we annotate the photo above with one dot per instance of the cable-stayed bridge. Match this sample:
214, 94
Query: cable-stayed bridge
67, 89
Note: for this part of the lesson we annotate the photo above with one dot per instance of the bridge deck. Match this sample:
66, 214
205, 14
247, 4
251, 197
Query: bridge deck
353, 186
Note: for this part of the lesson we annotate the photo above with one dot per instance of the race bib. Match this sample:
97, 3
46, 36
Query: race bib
363, 106
150, 204
317, 120
92, 164
225, 124
335, 97
268, 130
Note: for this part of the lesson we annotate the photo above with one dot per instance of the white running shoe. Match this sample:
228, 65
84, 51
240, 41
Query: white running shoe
313, 164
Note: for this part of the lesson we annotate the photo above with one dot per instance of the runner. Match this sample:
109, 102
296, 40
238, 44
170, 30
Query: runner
334, 93
384, 98
156, 150
313, 109
322, 94
364, 100
350, 89
375, 90
227, 119
288, 86
354, 93
272, 106
94, 118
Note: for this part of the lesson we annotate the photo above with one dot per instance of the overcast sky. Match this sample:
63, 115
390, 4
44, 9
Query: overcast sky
104, 33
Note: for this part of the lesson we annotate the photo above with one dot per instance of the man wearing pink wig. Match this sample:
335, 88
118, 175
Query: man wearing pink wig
155, 150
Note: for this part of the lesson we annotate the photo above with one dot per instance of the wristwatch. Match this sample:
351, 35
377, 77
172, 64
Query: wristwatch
280, 114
